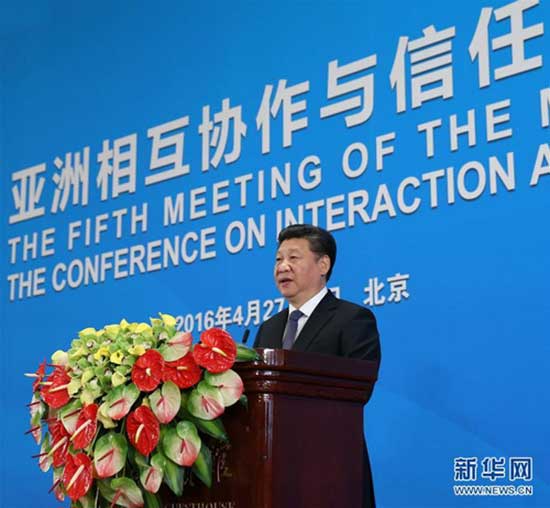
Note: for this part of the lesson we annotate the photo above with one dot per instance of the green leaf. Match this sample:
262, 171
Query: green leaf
91, 391
129, 494
107, 422
205, 402
173, 477
182, 444
87, 501
185, 397
69, 415
57, 480
165, 402
186, 430
120, 401
229, 383
137, 458
183, 405
246, 354
106, 490
87, 375
158, 460
203, 466
74, 386
244, 401
151, 475
110, 454
151, 500
213, 428
45, 461
37, 409
176, 347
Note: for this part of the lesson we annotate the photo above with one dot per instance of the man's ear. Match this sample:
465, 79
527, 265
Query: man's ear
324, 264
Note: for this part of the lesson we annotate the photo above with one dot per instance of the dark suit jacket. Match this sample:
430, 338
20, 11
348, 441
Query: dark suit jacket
336, 327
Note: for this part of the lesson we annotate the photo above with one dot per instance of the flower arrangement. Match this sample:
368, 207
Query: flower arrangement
126, 408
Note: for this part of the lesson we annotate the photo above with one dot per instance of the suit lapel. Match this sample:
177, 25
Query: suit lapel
322, 314
275, 333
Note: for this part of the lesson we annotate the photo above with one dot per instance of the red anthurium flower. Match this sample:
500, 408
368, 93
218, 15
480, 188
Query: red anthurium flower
86, 427
77, 475
54, 390
147, 371
39, 376
216, 352
183, 372
143, 429
60, 442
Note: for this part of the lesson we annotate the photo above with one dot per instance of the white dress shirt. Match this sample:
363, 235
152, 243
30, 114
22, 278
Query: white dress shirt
307, 309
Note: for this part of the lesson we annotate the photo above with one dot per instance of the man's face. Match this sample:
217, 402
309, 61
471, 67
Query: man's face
299, 272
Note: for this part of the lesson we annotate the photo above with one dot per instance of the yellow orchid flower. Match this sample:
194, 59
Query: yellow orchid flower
168, 319
101, 352
87, 331
112, 329
142, 327
117, 357
118, 379
78, 353
155, 321
136, 350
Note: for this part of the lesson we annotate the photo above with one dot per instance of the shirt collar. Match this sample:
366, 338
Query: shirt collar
308, 307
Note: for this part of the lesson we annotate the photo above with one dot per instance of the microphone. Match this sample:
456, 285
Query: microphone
245, 335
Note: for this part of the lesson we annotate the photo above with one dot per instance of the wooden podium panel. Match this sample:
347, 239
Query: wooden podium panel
299, 444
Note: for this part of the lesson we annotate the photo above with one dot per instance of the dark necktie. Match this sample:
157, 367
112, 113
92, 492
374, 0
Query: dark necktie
291, 327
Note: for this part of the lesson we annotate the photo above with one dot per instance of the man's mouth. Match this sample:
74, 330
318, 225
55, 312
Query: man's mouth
284, 280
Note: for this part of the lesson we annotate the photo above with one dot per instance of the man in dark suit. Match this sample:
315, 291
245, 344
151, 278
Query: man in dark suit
316, 320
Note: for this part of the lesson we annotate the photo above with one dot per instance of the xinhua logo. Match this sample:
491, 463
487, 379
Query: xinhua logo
469, 472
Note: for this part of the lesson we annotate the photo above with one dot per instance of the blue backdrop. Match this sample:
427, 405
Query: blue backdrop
151, 152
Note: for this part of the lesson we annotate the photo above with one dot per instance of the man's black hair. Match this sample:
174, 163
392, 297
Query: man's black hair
321, 242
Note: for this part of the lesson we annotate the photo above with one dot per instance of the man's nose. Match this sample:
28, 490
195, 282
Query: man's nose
283, 266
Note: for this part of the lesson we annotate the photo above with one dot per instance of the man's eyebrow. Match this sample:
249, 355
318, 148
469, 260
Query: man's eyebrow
292, 250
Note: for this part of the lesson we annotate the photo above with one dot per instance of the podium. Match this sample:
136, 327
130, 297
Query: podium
299, 444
